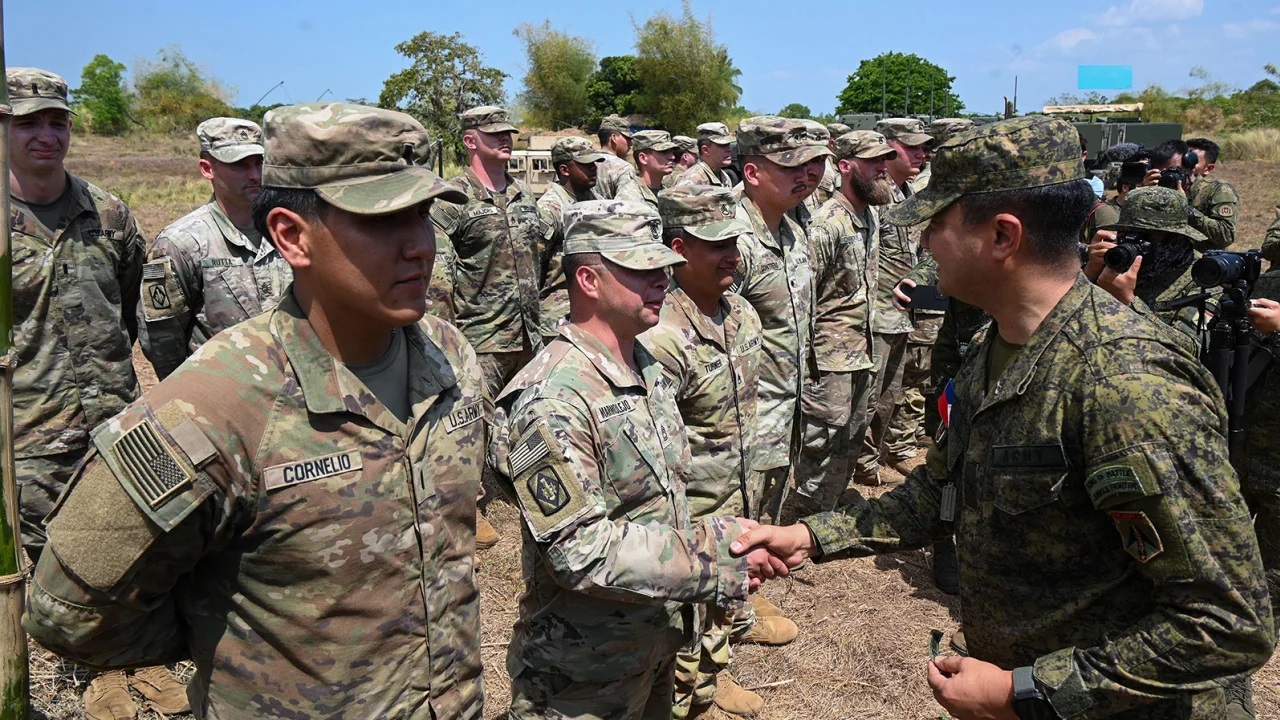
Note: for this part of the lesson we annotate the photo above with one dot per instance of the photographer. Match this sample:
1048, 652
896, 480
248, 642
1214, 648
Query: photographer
1107, 212
1259, 468
1155, 236
1213, 203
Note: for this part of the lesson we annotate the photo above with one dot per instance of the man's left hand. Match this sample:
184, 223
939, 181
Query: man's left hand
971, 689
1121, 285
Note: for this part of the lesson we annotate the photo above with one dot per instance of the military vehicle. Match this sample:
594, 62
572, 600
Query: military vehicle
1104, 126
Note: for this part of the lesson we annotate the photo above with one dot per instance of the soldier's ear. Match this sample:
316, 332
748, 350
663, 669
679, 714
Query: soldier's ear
291, 234
1008, 236
206, 168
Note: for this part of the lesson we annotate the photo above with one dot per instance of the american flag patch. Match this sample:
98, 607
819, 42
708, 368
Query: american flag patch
153, 270
149, 463
527, 452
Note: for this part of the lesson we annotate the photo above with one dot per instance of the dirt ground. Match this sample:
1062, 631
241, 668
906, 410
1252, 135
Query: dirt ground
864, 624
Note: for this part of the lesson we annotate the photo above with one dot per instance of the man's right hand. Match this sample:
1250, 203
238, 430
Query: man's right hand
901, 299
792, 544
1097, 250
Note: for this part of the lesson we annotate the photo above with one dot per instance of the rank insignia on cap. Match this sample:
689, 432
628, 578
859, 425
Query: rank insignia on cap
1137, 534
547, 488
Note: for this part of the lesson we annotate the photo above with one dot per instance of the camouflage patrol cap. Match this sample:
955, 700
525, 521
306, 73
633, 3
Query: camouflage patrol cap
838, 129
706, 212
230, 140
784, 141
685, 143
818, 133
716, 132
1025, 152
616, 124
487, 119
908, 131
655, 140
1160, 209
864, 144
626, 232
364, 160
577, 149
32, 90
943, 129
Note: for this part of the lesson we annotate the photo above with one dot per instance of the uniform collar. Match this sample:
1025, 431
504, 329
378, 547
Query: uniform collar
859, 219
617, 373
680, 301
232, 234
478, 190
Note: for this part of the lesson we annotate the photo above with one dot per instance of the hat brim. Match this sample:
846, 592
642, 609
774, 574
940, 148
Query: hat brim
726, 140
718, 231
800, 155
498, 128
1186, 230
28, 106
653, 256
589, 158
877, 152
390, 192
919, 208
914, 139
236, 153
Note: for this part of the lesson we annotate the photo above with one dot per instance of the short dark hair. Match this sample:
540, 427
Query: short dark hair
603, 136
1168, 150
303, 201
671, 233
1051, 215
1206, 146
1084, 143
571, 263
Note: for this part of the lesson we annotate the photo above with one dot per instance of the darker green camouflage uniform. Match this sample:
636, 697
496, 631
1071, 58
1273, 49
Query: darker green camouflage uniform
1259, 468
1092, 487
1215, 204
1271, 242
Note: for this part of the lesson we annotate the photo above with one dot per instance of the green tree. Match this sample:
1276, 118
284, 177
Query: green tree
256, 113
102, 97
555, 85
685, 76
174, 94
613, 88
446, 77
899, 83
1093, 97
796, 110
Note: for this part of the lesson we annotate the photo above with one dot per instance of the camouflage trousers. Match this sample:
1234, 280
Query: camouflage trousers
1264, 503
498, 369
41, 481
835, 414
697, 668
552, 696
907, 424
888, 352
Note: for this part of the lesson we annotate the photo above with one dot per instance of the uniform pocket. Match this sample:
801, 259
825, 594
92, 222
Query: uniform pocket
1019, 491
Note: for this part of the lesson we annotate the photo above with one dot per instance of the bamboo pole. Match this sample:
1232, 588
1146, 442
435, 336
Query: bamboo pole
14, 669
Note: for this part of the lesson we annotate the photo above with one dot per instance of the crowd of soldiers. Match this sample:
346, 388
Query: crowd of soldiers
653, 370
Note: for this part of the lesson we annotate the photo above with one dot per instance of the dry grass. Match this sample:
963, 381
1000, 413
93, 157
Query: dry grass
864, 624
1257, 144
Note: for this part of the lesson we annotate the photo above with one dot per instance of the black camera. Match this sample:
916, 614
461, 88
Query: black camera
1223, 268
1175, 178
1129, 245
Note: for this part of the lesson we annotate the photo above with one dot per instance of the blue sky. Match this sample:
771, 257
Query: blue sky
788, 52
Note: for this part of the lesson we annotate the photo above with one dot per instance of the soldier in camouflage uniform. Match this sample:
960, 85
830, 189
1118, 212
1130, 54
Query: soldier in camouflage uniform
77, 264
575, 161
616, 178
654, 153
776, 277
686, 157
1259, 467
1109, 566
1271, 242
816, 134
211, 269
714, 155
1215, 204
899, 344
589, 441
293, 509
843, 236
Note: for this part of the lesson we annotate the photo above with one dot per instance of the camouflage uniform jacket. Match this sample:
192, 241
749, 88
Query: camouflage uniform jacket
75, 291
495, 274
899, 253
700, 173
1186, 319
1095, 492
591, 451
1271, 242
270, 519
202, 276
1214, 207
1106, 212
843, 243
1260, 468
440, 292
828, 185
960, 323
715, 390
554, 296
615, 179
776, 277
646, 193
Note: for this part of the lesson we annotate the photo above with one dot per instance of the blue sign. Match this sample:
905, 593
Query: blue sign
1104, 77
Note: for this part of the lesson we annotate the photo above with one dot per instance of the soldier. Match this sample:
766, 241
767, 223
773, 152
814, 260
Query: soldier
589, 441
1271, 241
575, 161
816, 134
77, 265
1107, 212
211, 269
941, 129
1215, 203
844, 237
654, 154
1109, 567
686, 157
615, 178
895, 418
495, 241
715, 153
293, 508
776, 277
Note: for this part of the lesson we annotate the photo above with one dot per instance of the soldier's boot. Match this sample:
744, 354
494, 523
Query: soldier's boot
486, 534
770, 630
959, 644
946, 566
763, 608
735, 699
108, 697
163, 691
905, 466
869, 478
1240, 700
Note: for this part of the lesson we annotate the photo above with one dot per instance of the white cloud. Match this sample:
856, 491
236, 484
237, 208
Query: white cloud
1068, 40
1243, 30
1151, 12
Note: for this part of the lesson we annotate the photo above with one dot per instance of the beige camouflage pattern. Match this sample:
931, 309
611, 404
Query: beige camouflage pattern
626, 233
263, 514
615, 124
845, 246
616, 180
1093, 488
864, 144
908, 131
553, 295
440, 303
202, 276
943, 129
575, 149
716, 132
592, 452
1103, 213
487, 119
899, 253
685, 144
1216, 205
703, 211
787, 142
495, 238
700, 173
230, 140
837, 129
32, 90
656, 140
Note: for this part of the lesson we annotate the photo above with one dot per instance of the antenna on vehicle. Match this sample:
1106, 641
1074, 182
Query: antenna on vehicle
265, 94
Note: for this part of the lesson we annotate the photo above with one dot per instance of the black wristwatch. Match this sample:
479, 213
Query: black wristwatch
1029, 701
